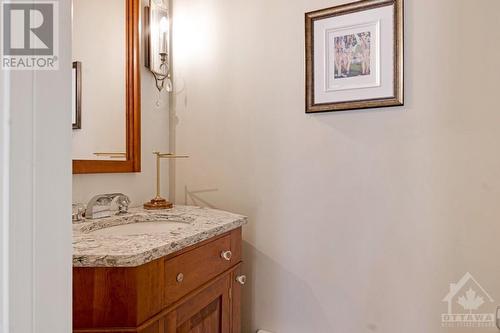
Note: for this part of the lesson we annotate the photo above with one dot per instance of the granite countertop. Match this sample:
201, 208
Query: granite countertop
109, 250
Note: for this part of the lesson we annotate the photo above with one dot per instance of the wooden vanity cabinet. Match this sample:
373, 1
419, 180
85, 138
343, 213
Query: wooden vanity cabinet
193, 290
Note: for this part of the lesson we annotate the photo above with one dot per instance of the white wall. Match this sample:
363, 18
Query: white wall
36, 188
141, 187
358, 220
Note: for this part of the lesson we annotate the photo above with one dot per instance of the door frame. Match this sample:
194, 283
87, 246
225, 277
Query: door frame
36, 194
4, 201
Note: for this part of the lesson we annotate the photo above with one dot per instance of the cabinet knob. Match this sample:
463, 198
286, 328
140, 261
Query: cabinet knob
180, 277
226, 255
241, 279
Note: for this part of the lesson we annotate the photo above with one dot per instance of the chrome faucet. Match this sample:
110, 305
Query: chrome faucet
100, 205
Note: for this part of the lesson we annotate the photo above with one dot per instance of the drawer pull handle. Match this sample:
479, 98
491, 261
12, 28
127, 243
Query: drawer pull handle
226, 255
241, 279
180, 277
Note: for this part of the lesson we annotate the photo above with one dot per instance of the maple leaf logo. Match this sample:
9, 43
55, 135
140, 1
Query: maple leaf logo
471, 301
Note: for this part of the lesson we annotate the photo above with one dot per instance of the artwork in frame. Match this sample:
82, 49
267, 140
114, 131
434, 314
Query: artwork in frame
76, 94
354, 56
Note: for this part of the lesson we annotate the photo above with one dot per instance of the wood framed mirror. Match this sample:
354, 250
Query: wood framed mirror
106, 42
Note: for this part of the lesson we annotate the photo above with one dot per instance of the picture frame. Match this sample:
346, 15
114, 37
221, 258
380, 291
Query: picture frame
355, 56
76, 113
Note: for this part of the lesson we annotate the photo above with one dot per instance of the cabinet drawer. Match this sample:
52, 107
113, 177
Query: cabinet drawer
190, 270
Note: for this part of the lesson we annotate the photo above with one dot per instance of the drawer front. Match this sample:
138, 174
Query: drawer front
188, 271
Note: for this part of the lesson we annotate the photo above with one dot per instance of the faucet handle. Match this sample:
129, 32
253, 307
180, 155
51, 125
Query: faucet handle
77, 213
123, 202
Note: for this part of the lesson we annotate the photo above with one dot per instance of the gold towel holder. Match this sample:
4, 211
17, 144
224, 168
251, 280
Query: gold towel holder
158, 202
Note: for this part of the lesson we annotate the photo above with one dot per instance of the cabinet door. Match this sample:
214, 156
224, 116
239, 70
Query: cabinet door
208, 311
237, 282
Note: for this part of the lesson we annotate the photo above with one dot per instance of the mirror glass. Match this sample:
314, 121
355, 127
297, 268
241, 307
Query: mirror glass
99, 80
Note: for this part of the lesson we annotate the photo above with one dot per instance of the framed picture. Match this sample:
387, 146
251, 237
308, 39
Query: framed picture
76, 113
354, 56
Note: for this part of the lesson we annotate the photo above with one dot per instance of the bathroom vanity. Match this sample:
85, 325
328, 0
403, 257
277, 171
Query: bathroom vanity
165, 271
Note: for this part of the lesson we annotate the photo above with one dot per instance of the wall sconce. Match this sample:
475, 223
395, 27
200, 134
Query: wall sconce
157, 28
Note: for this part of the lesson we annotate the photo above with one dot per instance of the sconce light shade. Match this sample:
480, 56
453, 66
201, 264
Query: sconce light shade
157, 29
163, 24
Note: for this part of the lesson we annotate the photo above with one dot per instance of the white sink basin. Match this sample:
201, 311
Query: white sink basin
141, 228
